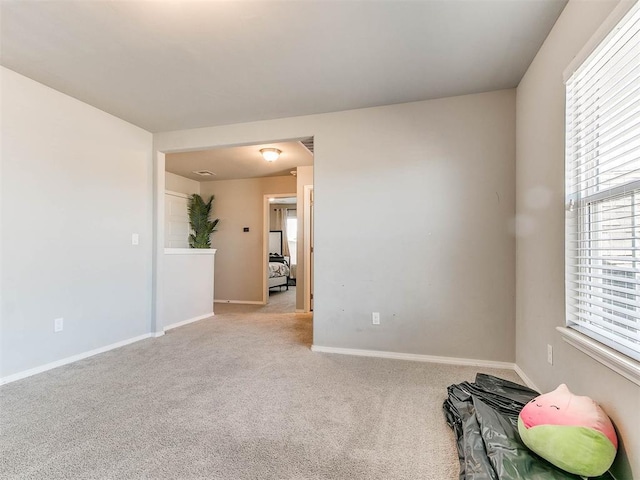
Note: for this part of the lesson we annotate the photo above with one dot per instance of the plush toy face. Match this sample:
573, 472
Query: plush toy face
569, 431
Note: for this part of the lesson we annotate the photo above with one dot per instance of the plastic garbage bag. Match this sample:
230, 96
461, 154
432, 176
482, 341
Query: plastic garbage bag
484, 418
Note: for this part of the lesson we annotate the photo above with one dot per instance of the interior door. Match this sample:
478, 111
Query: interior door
176, 216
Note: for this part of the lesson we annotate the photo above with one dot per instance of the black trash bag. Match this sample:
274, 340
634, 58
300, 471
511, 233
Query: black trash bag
484, 418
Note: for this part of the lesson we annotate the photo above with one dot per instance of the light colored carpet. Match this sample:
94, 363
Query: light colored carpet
282, 301
238, 396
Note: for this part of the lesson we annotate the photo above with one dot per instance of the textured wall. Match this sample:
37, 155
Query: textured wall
176, 183
76, 183
440, 270
239, 204
540, 244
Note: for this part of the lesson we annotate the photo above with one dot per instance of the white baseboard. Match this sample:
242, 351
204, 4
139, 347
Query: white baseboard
240, 302
414, 357
300, 310
73, 358
527, 381
158, 334
188, 320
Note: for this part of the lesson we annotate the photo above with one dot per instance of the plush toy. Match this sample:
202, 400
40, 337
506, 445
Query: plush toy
569, 431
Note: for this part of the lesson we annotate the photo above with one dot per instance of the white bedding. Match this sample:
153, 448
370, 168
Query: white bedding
277, 269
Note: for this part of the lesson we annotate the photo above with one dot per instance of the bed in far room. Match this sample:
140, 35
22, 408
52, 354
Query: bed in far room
279, 269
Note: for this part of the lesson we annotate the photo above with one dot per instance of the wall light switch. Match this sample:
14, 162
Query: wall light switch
58, 324
549, 354
375, 318
135, 239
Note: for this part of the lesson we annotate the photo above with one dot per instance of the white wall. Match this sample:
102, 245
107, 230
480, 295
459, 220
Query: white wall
76, 183
188, 285
540, 246
441, 269
177, 183
239, 204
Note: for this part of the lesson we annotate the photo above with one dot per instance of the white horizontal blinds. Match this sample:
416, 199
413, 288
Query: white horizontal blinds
603, 191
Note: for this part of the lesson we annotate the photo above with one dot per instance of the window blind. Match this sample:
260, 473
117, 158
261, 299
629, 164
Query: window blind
603, 191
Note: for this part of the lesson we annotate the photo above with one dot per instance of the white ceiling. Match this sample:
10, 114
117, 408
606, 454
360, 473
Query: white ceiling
167, 65
238, 162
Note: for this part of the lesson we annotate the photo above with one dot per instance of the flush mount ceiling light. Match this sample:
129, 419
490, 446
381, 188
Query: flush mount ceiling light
270, 154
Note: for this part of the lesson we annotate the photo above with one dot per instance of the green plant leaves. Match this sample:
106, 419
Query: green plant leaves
202, 227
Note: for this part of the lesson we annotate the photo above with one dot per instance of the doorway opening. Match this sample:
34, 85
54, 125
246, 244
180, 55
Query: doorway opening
240, 222
281, 226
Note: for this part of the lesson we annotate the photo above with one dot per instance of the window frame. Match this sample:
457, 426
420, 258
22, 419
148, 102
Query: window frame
586, 340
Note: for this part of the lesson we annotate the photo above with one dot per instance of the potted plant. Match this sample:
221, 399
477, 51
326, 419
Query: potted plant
202, 227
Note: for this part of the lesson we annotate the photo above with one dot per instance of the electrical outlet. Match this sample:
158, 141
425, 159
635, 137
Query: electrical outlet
135, 239
550, 354
58, 324
375, 318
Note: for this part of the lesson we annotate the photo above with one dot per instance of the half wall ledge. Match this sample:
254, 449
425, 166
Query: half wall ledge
188, 289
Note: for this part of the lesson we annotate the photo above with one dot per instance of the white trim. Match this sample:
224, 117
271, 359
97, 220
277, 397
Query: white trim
266, 225
190, 251
414, 357
527, 381
157, 269
625, 366
177, 194
307, 240
157, 334
300, 310
71, 359
596, 39
241, 302
189, 320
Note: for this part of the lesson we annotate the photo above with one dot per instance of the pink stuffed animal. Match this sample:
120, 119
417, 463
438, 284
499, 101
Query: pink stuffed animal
570, 431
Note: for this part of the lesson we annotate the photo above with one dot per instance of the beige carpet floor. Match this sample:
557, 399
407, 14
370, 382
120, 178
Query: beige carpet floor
281, 301
237, 396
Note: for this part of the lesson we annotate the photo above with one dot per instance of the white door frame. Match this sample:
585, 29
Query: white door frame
308, 245
157, 298
266, 221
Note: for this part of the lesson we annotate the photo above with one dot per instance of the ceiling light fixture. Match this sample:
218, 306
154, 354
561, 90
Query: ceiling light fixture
270, 154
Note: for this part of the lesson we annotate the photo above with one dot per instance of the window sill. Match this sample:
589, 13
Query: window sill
625, 366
